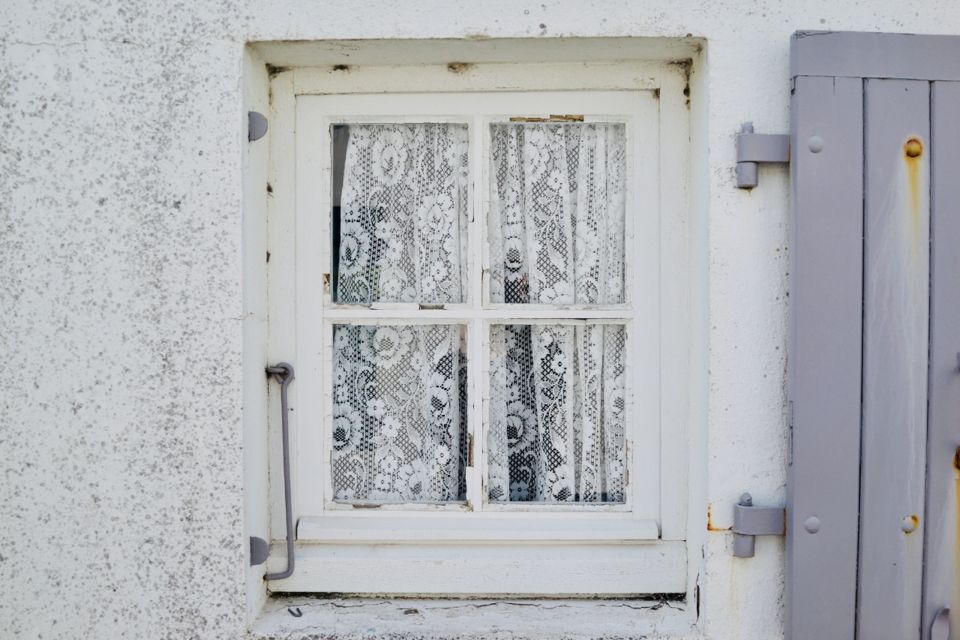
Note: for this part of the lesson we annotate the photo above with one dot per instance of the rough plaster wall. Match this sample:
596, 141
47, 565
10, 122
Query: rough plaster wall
120, 239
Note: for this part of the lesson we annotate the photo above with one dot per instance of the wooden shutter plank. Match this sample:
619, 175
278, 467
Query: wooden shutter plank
825, 374
895, 343
942, 573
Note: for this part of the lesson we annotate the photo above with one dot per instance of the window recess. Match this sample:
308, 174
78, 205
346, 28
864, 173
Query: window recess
477, 321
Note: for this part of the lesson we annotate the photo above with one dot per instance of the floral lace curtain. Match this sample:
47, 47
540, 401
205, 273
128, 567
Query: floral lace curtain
557, 418
399, 417
403, 214
556, 234
399, 413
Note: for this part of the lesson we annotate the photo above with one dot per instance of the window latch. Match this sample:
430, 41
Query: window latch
750, 521
283, 373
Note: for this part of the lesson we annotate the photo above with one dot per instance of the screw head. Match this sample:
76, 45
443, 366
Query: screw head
913, 147
909, 524
815, 143
812, 524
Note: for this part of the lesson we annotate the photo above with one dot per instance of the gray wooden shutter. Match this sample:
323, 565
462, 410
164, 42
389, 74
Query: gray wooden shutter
875, 301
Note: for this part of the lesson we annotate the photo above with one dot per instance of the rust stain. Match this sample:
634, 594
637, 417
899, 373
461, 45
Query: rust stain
710, 525
913, 154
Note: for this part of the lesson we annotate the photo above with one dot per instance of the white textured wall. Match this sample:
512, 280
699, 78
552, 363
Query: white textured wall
121, 144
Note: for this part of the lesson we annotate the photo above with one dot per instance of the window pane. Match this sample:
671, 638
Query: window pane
557, 414
399, 413
400, 212
557, 216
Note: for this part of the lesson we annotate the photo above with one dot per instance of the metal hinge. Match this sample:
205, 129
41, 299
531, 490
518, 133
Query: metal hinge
750, 521
754, 148
259, 551
256, 125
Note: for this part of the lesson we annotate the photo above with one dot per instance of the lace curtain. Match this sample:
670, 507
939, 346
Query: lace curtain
399, 416
403, 214
556, 236
399, 413
557, 419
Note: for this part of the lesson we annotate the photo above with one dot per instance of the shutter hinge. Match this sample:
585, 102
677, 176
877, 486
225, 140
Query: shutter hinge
256, 125
750, 521
754, 148
259, 550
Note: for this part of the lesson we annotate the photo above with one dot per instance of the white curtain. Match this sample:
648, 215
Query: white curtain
403, 214
399, 413
399, 418
557, 237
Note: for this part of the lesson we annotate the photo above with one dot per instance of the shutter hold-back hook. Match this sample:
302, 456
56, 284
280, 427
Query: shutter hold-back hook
283, 373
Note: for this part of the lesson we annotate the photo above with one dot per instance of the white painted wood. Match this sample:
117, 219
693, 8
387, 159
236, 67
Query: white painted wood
657, 137
281, 344
676, 286
402, 51
476, 527
256, 467
597, 76
487, 569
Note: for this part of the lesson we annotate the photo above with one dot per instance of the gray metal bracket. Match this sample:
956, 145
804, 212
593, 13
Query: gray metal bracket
259, 551
754, 148
256, 125
750, 521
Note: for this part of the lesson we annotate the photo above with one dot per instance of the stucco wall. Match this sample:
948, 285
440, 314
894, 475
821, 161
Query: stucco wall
121, 147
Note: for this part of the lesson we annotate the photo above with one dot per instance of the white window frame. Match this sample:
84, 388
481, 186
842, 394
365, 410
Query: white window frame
542, 549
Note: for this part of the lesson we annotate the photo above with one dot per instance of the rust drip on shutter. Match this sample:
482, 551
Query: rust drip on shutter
913, 153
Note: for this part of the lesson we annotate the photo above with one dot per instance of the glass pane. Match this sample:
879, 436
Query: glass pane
399, 413
557, 413
556, 222
400, 213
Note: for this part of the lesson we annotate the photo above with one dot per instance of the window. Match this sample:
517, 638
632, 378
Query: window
470, 277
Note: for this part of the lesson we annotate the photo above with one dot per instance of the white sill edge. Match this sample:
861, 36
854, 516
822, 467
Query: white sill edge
513, 619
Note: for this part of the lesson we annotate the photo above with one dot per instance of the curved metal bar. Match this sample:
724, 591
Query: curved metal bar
284, 375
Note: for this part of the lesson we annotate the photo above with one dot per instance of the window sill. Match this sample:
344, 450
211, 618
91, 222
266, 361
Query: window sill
372, 619
484, 570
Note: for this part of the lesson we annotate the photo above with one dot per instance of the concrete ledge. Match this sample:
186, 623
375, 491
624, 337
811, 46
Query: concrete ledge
383, 619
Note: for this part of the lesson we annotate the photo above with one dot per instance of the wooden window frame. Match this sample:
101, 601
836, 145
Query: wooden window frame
603, 549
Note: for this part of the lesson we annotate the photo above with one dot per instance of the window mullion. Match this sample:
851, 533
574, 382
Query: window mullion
475, 340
